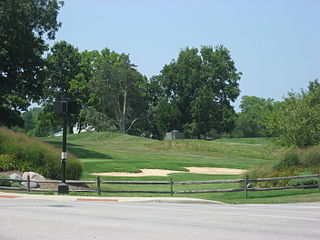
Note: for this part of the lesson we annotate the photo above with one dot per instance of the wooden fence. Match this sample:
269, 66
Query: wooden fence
245, 182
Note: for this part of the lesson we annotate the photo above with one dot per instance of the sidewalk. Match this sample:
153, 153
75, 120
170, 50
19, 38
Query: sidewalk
182, 200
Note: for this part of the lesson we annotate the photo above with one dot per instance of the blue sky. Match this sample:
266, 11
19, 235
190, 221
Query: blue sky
274, 43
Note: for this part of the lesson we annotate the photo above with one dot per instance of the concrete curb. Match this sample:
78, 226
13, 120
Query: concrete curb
176, 200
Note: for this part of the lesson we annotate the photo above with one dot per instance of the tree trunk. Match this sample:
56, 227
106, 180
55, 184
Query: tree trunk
71, 129
124, 109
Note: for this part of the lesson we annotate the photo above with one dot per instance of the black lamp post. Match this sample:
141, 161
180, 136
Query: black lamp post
64, 107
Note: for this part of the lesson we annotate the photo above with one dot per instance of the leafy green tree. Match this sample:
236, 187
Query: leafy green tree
250, 120
196, 91
30, 118
46, 123
79, 88
296, 120
24, 25
63, 66
120, 90
64, 77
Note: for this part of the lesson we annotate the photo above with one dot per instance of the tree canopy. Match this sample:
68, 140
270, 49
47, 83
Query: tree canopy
120, 90
195, 93
24, 26
296, 120
249, 122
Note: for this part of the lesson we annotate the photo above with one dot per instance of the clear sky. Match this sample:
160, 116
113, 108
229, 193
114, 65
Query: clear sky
274, 43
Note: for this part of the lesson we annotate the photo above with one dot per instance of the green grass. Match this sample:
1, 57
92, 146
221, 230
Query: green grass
113, 152
107, 152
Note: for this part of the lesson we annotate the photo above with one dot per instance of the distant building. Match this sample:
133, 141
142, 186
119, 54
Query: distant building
175, 134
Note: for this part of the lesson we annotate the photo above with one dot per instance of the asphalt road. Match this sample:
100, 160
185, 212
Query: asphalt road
47, 219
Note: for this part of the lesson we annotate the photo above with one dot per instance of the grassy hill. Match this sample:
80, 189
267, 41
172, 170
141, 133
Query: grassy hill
113, 152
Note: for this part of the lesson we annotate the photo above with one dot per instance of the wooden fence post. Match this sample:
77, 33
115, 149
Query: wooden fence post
28, 183
99, 185
171, 186
246, 187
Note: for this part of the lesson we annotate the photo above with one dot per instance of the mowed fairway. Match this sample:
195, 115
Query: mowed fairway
114, 152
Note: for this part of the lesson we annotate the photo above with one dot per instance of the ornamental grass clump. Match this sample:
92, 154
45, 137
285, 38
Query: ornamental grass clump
294, 162
22, 153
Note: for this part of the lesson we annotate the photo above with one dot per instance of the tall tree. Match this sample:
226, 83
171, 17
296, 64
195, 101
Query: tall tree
63, 67
296, 120
64, 78
24, 25
199, 89
120, 90
250, 120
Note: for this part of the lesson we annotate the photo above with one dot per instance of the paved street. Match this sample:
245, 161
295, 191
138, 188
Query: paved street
35, 219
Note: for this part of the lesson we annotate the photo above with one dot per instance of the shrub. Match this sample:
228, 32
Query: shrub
304, 181
290, 159
310, 156
20, 152
294, 162
8, 162
4, 182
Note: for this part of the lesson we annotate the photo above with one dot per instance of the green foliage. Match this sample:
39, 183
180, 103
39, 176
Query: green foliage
8, 162
193, 93
303, 158
250, 120
296, 120
290, 159
24, 25
294, 162
46, 123
30, 119
19, 152
64, 79
120, 91
4, 182
304, 181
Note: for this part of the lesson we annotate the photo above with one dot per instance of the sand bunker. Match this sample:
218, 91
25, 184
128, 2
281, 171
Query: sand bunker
161, 172
216, 171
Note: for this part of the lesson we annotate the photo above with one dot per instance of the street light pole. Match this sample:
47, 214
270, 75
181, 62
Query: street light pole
64, 107
64, 148
63, 188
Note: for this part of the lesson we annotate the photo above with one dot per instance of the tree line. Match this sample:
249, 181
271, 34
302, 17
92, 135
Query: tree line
193, 93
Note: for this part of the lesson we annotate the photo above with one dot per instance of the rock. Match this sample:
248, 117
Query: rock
15, 176
33, 176
32, 185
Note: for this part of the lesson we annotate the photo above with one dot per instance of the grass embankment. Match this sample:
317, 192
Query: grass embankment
113, 152
20, 152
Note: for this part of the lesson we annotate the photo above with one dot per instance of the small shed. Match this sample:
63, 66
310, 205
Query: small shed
175, 134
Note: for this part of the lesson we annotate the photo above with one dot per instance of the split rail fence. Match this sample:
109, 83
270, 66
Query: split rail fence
98, 183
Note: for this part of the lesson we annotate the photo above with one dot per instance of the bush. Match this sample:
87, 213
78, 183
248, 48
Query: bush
290, 159
310, 156
295, 162
8, 162
304, 181
20, 152
4, 182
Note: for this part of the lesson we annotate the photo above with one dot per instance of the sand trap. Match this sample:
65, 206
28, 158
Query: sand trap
161, 172
144, 173
216, 171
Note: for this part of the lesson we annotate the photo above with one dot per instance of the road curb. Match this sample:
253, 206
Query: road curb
176, 200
